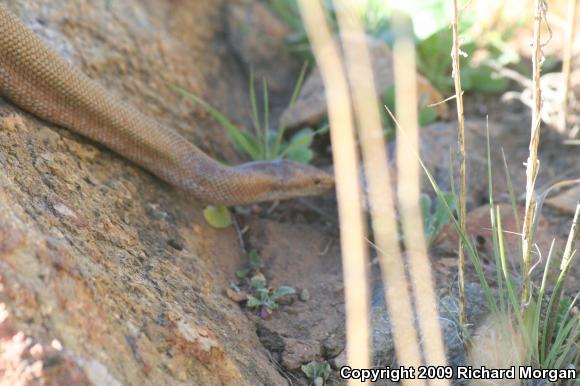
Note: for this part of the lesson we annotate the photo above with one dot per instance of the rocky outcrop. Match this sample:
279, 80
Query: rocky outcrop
107, 275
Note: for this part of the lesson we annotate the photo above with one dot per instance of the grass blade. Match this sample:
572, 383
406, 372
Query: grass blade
295, 93
551, 312
243, 140
513, 298
463, 236
266, 126
498, 264
538, 307
563, 332
255, 116
512, 193
466, 241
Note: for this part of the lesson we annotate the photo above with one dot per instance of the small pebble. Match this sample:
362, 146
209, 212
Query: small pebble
304, 295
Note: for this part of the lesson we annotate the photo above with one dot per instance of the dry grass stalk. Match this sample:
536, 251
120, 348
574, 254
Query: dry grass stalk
567, 60
408, 186
381, 201
532, 164
455, 52
348, 189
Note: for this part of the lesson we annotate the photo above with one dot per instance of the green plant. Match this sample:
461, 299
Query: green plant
267, 143
255, 263
433, 39
550, 337
317, 372
217, 216
435, 215
434, 62
266, 298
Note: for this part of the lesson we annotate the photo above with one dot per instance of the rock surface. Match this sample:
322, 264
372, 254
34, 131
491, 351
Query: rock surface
310, 106
107, 275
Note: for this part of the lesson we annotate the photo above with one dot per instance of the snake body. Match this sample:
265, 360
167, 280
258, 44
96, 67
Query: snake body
38, 80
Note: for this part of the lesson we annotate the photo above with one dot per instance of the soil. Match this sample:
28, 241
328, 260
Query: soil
300, 246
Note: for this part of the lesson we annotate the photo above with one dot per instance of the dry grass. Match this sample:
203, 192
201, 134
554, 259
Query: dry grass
532, 164
348, 190
455, 54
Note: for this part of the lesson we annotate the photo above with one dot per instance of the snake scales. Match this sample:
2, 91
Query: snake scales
39, 81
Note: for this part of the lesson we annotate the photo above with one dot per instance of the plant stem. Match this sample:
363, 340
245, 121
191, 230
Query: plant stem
533, 163
461, 142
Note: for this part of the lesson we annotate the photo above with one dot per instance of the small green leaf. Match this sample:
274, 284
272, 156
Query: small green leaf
253, 302
309, 370
258, 282
217, 216
427, 115
255, 261
483, 79
303, 137
299, 142
316, 370
301, 155
281, 291
262, 291
425, 203
270, 304
242, 273
440, 215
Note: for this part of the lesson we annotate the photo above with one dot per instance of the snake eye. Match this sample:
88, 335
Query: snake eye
317, 181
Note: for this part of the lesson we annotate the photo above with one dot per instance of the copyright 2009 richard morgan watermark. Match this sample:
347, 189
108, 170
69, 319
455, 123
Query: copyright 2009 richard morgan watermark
457, 373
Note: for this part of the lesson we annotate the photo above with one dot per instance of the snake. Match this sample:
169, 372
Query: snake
36, 79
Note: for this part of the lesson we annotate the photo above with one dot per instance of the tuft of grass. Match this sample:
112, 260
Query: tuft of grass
266, 144
547, 324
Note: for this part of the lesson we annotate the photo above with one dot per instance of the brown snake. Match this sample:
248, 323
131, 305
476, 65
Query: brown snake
38, 80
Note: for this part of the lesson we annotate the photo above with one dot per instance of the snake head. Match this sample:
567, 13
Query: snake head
283, 179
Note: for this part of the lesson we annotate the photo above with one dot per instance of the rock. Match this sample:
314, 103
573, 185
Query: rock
298, 352
383, 345
257, 37
310, 107
510, 135
109, 276
339, 361
304, 295
475, 311
566, 201
479, 229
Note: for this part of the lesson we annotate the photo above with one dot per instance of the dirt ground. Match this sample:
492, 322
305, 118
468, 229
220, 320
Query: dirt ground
299, 241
